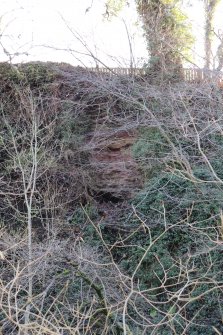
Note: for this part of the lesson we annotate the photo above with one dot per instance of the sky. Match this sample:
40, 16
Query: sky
27, 24
63, 31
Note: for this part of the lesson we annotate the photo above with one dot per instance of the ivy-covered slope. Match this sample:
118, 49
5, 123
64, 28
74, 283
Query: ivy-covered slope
114, 189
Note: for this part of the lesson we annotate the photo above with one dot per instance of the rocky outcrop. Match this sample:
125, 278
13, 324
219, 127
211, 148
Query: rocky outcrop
92, 127
116, 173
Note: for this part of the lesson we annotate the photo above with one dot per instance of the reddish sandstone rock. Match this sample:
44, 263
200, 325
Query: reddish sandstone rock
115, 170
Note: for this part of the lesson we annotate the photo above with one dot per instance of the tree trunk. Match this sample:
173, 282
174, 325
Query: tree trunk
159, 26
210, 7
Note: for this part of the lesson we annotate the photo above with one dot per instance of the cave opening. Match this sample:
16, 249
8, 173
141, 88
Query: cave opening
107, 197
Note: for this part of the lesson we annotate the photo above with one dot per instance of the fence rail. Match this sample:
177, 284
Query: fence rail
190, 75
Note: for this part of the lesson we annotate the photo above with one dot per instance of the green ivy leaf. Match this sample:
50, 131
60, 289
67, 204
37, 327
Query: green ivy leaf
153, 313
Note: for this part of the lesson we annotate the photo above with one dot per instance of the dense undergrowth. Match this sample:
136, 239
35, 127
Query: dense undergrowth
78, 261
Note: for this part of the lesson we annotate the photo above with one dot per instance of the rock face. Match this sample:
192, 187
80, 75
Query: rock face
116, 174
110, 130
